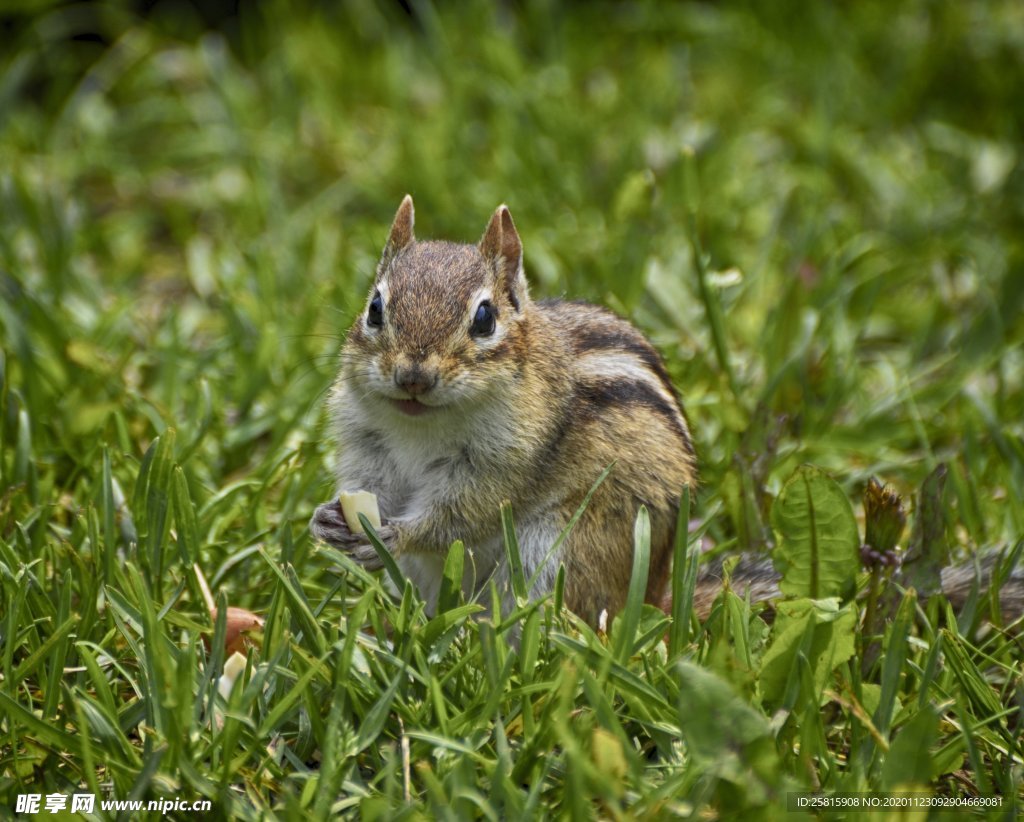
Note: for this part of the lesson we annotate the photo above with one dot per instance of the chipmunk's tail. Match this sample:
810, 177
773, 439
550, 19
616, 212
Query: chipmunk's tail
757, 575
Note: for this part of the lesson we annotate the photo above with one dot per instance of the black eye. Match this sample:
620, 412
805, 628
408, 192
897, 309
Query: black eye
375, 316
483, 320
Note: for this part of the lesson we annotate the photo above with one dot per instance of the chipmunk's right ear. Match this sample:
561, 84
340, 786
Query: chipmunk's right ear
401, 229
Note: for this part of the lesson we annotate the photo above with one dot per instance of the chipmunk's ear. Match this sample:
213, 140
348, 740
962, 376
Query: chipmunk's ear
503, 250
401, 229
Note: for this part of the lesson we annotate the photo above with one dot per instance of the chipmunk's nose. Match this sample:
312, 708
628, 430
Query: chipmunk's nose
415, 379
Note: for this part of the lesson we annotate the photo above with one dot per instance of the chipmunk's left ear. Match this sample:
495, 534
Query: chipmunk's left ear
503, 250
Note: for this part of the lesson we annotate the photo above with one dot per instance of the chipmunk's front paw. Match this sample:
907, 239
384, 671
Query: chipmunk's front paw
328, 525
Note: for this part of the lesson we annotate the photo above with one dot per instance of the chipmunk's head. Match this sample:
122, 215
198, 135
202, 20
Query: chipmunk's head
444, 324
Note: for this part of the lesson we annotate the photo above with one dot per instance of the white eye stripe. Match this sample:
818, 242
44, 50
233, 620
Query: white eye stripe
621, 365
478, 296
491, 340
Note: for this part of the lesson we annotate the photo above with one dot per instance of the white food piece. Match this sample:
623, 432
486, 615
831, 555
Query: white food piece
355, 503
233, 668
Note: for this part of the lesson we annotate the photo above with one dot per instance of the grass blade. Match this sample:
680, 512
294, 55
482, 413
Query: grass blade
515, 560
450, 592
684, 580
629, 619
390, 566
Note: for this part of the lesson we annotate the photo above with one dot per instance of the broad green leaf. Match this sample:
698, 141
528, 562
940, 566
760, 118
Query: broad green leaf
820, 629
722, 731
818, 544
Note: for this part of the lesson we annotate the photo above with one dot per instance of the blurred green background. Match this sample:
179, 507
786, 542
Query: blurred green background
815, 210
193, 197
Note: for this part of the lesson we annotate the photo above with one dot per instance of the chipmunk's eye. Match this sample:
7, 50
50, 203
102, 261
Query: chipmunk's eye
483, 320
375, 315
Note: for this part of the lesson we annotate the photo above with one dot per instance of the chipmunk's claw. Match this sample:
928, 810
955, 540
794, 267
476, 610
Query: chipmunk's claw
328, 525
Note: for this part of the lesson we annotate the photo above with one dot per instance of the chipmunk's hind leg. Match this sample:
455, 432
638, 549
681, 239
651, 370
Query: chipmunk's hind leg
599, 558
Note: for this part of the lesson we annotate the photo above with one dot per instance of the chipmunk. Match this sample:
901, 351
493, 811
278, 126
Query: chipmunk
457, 391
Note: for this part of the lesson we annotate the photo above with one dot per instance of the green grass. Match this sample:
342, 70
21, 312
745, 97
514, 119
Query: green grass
818, 216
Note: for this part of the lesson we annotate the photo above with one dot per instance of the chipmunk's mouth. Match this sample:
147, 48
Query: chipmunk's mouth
412, 408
